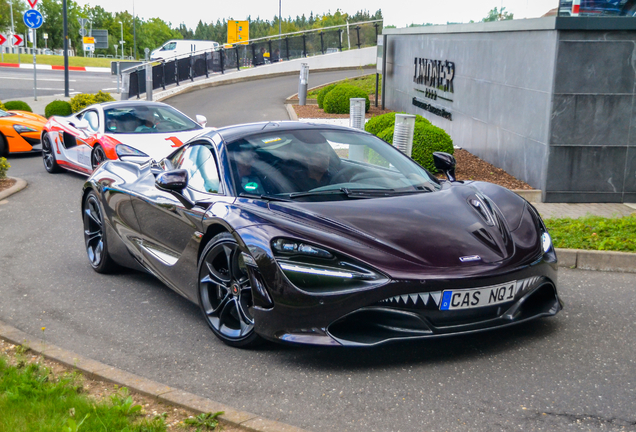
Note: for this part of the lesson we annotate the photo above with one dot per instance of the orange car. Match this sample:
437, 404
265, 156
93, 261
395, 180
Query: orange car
20, 132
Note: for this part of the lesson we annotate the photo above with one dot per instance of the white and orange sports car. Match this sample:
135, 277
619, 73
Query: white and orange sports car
114, 129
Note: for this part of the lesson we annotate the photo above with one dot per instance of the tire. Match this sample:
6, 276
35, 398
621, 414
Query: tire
4, 148
225, 294
48, 156
95, 235
97, 156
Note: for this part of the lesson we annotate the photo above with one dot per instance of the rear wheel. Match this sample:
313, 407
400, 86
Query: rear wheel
48, 155
95, 235
4, 149
97, 156
225, 293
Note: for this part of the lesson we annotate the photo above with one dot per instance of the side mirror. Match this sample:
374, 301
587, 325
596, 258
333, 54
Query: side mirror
446, 164
202, 120
172, 181
82, 124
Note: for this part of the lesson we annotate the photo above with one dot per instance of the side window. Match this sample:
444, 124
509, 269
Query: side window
200, 163
93, 120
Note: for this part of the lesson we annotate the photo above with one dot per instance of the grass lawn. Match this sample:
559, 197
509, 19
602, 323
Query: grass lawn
366, 83
594, 233
58, 60
33, 398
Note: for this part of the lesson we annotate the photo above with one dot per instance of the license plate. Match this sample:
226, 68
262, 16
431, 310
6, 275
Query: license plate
478, 297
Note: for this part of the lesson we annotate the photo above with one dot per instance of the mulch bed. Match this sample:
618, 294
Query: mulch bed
469, 166
6, 183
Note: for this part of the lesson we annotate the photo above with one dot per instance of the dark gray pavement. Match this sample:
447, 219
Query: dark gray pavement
17, 83
575, 372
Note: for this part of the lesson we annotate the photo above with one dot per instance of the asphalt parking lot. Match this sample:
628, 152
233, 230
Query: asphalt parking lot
576, 371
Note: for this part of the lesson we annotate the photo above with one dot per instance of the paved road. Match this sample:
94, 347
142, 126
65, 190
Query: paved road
18, 83
576, 371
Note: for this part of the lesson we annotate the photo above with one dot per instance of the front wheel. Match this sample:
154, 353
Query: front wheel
225, 293
95, 235
97, 156
48, 155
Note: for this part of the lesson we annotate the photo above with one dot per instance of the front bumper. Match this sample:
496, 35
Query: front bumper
402, 310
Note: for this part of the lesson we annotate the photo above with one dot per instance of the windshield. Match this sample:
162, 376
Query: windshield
144, 119
5, 114
323, 164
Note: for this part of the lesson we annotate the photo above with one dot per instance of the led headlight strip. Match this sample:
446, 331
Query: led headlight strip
316, 271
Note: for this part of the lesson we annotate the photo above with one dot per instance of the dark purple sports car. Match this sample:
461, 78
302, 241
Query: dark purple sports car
321, 235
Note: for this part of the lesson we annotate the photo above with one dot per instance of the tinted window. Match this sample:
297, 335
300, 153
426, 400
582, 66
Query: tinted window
322, 160
144, 119
200, 163
169, 46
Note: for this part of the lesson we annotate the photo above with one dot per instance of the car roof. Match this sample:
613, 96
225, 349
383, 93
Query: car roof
234, 132
123, 104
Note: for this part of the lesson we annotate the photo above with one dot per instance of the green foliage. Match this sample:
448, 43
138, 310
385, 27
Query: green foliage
82, 100
58, 108
498, 15
17, 106
337, 100
2, 107
377, 124
322, 93
4, 167
594, 233
426, 140
31, 400
205, 421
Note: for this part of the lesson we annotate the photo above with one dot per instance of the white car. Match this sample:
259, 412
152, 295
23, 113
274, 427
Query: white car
113, 130
178, 47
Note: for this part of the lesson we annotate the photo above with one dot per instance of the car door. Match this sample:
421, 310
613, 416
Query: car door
88, 137
170, 227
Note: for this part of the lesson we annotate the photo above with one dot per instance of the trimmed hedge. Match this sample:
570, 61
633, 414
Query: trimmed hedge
82, 100
322, 93
337, 100
426, 140
58, 108
377, 124
17, 106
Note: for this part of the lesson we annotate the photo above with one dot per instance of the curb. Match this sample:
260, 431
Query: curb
56, 67
17, 187
291, 112
291, 100
622, 262
530, 195
160, 392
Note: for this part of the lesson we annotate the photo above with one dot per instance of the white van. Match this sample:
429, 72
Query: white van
181, 46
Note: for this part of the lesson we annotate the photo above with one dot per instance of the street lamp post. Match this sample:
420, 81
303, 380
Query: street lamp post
134, 32
280, 25
121, 42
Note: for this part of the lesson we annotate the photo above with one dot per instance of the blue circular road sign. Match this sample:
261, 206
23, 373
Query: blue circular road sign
33, 19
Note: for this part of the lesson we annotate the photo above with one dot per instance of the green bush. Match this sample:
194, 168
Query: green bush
58, 108
82, 100
4, 167
17, 106
2, 107
377, 124
337, 100
322, 93
426, 140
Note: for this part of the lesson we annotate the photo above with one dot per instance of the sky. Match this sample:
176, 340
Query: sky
400, 13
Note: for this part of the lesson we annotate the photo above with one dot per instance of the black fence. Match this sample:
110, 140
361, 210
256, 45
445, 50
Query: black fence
253, 54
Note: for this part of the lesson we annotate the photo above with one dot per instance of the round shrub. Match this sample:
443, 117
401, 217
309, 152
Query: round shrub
81, 101
58, 108
377, 124
101, 96
426, 140
337, 100
322, 93
17, 106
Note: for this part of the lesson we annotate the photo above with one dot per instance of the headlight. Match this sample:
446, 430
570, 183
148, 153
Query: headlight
546, 242
124, 150
23, 129
316, 269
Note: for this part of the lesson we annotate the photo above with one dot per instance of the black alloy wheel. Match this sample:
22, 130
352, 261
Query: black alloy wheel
95, 235
97, 156
225, 293
4, 151
48, 155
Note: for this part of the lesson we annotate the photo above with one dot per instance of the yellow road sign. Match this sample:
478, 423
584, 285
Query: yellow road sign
89, 40
238, 31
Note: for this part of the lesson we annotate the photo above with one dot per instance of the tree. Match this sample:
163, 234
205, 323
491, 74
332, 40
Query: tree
498, 15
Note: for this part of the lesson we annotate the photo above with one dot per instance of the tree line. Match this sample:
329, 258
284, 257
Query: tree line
154, 32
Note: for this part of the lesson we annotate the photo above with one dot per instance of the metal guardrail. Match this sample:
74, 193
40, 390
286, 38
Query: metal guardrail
251, 53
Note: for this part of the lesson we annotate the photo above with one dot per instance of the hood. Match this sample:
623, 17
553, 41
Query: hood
27, 118
158, 145
446, 228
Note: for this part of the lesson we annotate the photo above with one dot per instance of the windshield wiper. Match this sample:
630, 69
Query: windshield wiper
263, 197
341, 191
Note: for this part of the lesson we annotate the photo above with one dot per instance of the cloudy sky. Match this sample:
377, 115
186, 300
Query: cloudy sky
400, 13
